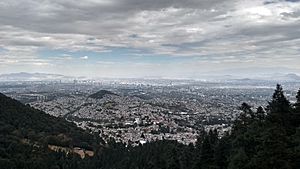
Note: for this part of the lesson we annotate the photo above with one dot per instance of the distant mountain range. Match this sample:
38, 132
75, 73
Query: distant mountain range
254, 73
23, 76
286, 77
290, 77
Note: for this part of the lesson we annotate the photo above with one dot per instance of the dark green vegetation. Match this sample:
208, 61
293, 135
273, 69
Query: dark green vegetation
25, 134
100, 94
266, 138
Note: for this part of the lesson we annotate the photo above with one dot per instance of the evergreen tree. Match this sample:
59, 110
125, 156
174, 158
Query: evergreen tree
260, 114
296, 114
279, 108
208, 150
222, 152
247, 110
279, 102
297, 104
273, 151
238, 160
241, 124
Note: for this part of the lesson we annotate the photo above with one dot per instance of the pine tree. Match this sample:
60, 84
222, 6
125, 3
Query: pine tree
260, 113
297, 104
244, 119
247, 110
279, 101
222, 152
279, 108
208, 150
238, 160
296, 112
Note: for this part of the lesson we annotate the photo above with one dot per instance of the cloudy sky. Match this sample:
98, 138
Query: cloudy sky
138, 38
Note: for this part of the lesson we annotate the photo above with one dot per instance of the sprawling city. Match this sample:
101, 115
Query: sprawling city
136, 111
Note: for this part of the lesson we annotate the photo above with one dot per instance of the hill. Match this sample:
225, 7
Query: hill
23, 76
28, 137
100, 94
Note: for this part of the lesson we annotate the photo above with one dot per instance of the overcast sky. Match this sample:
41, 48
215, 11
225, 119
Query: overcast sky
135, 38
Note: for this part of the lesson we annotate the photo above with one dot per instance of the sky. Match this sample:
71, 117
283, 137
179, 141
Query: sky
147, 38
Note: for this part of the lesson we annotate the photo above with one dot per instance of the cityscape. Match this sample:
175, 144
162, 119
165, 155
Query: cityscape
136, 111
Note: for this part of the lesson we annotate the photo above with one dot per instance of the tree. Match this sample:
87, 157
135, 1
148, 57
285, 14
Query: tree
297, 104
222, 152
260, 113
238, 160
279, 101
279, 108
241, 124
296, 112
208, 150
247, 110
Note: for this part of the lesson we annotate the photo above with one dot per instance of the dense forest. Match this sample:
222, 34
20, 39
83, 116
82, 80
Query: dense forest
264, 138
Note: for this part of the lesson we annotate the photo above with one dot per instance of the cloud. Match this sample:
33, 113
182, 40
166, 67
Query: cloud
210, 30
84, 58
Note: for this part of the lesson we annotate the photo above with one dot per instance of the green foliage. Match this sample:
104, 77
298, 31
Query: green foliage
279, 108
296, 112
266, 141
26, 132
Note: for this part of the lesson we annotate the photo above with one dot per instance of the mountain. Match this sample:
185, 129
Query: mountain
292, 76
23, 76
277, 74
100, 94
254, 71
30, 138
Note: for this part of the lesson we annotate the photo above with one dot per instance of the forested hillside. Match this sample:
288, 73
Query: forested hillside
26, 134
265, 138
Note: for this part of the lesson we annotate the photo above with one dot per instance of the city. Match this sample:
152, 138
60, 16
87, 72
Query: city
146, 110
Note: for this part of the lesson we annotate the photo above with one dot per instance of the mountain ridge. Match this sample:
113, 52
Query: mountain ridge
25, 76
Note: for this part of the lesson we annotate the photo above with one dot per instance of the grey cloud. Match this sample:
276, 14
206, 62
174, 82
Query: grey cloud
292, 0
66, 16
213, 29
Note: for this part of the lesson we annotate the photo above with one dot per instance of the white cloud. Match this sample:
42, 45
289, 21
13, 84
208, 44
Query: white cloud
84, 58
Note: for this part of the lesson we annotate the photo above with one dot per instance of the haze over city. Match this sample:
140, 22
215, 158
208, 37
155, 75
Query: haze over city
149, 38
